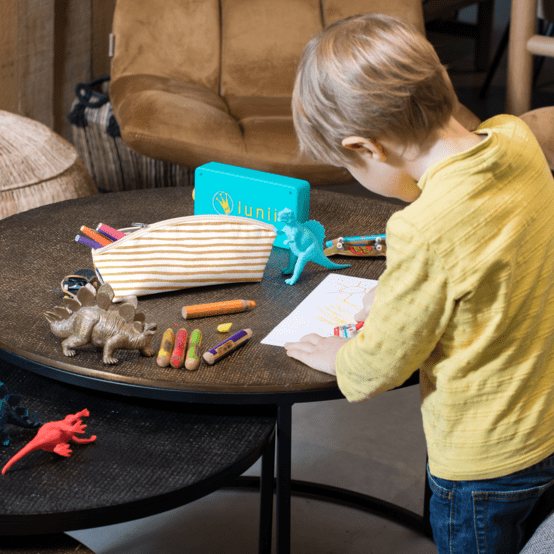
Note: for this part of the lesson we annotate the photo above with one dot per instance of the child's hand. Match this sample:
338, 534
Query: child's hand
316, 351
367, 301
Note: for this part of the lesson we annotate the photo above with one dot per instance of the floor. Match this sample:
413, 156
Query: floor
375, 447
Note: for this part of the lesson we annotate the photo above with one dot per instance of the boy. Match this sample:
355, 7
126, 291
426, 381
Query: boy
468, 293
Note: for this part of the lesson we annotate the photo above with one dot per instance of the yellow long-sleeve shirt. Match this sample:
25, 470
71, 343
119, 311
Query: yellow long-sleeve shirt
468, 297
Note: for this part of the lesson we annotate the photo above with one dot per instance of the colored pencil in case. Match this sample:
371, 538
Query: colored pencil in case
217, 308
178, 357
104, 234
87, 242
114, 234
96, 236
227, 346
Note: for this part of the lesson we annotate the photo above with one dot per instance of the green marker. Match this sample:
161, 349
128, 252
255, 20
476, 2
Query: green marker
193, 354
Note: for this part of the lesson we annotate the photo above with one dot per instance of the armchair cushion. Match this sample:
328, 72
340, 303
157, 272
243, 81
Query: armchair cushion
193, 82
178, 39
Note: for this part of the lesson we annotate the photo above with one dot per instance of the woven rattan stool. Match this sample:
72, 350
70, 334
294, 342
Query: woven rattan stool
43, 544
113, 165
37, 166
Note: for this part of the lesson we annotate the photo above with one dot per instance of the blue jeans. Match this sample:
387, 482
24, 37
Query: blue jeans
491, 516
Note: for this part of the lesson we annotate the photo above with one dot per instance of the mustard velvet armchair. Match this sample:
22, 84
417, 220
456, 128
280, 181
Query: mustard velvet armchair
198, 81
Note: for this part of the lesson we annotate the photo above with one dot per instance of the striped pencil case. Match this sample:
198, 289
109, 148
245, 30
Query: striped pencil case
185, 252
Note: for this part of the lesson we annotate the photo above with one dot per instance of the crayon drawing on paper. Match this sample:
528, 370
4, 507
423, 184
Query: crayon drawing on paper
333, 302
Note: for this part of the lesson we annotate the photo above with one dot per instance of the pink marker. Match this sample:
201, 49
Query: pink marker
110, 231
348, 331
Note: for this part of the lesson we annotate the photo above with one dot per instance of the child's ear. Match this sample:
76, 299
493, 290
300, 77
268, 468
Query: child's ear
365, 146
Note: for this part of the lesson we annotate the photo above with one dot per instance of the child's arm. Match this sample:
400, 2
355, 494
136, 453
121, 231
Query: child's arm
316, 351
414, 303
413, 306
367, 303
320, 352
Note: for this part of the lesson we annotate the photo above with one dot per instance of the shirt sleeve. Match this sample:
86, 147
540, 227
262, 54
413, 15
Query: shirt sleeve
411, 310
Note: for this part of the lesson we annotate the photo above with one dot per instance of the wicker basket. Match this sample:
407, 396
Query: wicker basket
113, 165
37, 166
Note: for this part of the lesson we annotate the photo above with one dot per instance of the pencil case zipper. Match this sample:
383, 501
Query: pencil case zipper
147, 227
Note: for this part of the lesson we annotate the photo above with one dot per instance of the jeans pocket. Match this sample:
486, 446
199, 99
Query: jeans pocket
441, 509
501, 517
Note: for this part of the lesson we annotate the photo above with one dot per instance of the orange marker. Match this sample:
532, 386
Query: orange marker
166, 348
96, 236
217, 308
178, 356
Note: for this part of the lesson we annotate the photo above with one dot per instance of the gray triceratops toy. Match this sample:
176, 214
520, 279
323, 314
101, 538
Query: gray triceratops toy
92, 318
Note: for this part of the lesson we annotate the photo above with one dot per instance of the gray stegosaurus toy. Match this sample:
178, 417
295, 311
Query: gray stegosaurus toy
305, 242
92, 318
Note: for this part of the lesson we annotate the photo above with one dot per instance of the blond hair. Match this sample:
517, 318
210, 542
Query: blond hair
371, 76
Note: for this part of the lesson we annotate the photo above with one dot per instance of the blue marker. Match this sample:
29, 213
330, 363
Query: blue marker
357, 241
227, 346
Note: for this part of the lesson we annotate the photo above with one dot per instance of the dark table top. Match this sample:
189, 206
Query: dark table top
37, 250
149, 456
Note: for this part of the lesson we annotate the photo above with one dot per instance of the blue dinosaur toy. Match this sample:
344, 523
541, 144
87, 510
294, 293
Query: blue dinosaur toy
305, 242
11, 412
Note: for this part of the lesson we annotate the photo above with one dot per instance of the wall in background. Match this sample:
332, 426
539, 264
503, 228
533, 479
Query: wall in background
46, 48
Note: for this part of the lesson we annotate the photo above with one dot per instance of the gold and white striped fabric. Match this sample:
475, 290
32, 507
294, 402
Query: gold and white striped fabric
186, 252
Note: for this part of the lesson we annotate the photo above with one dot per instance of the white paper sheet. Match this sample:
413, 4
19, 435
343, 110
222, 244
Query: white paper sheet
333, 302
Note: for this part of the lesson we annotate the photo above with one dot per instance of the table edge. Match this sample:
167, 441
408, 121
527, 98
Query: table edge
162, 390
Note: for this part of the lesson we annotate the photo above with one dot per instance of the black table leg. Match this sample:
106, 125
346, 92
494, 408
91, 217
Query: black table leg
286, 487
284, 439
266, 498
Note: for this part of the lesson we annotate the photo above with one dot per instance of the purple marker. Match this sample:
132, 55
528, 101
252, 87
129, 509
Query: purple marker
227, 346
87, 242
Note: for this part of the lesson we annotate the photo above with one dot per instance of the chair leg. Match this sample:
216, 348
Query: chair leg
539, 60
496, 61
483, 44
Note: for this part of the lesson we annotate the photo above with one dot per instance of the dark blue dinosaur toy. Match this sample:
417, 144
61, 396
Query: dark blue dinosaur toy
11, 412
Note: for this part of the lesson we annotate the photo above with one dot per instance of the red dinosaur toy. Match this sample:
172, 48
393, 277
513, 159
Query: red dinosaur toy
55, 436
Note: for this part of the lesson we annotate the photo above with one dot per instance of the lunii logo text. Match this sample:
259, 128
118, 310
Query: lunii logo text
223, 204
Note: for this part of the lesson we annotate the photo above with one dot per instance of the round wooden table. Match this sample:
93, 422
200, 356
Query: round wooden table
38, 249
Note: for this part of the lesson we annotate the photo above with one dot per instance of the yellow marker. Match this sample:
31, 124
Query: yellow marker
178, 356
193, 354
166, 348
224, 327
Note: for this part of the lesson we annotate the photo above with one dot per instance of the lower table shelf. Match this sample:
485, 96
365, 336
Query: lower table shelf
336, 495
